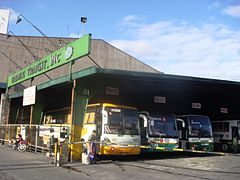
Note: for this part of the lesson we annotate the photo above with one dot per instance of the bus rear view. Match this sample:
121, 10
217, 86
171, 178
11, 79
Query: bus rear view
195, 132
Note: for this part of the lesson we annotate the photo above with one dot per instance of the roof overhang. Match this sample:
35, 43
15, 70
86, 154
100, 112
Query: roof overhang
144, 76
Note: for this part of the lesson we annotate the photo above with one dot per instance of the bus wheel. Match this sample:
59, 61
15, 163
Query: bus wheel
224, 147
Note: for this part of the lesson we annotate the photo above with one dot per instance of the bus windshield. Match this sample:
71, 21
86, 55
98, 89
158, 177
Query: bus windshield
164, 126
200, 126
122, 121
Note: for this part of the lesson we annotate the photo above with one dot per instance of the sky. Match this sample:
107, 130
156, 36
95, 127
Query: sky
199, 38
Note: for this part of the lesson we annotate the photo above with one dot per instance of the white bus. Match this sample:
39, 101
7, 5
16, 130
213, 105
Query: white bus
195, 132
226, 135
158, 132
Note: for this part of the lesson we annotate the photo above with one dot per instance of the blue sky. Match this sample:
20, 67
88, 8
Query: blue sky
183, 37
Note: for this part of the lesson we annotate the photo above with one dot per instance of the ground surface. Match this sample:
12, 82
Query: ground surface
29, 166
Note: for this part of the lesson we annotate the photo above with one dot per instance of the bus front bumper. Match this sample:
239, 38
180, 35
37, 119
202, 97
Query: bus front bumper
119, 150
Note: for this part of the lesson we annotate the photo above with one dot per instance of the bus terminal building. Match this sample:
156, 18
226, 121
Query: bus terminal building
94, 71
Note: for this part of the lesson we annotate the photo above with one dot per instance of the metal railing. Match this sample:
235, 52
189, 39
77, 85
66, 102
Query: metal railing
35, 135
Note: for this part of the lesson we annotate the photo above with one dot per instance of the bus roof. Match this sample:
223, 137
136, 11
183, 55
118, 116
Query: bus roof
112, 105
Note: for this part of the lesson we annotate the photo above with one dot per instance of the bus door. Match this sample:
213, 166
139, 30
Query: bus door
143, 128
182, 130
182, 133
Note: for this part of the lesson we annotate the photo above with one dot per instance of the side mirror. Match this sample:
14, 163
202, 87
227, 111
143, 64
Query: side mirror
182, 122
144, 119
105, 117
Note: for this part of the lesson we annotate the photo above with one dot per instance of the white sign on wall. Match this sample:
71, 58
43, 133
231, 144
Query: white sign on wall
29, 96
4, 18
196, 106
112, 91
224, 110
160, 99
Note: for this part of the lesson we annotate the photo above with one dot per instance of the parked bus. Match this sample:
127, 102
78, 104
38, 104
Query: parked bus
195, 132
117, 128
227, 135
56, 124
158, 132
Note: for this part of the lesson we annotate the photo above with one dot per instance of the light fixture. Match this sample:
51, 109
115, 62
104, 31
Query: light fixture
27, 63
83, 21
19, 19
61, 42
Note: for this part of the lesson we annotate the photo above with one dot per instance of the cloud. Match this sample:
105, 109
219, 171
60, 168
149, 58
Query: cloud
233, 11
216, 4
13, 15
206, 50
74, 35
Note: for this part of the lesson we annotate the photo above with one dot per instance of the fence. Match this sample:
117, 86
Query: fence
37, 136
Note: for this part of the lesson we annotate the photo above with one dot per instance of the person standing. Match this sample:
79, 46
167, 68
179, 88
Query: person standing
93, 146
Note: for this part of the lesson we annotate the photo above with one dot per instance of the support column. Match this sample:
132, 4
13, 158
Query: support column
5, 103
80, 96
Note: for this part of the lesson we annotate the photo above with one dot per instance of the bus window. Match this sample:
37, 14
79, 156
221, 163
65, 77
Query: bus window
157, 127
131, 122
200, 127
60, 116
89, 118
115, 121
226, 126
122, 121
90, 115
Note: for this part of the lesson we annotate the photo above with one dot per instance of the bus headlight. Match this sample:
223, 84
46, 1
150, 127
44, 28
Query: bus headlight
210, 140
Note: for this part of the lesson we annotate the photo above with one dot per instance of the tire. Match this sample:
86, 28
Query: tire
224, 147
22, 147
235, 148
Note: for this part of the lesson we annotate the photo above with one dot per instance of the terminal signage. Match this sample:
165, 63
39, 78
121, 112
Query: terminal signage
196, 105
69, 52
112, 91
224, 110
29, 96
160, 99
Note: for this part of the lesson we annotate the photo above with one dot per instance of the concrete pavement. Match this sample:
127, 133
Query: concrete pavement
29, 166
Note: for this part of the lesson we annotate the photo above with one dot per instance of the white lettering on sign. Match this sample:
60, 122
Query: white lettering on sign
196, 106
160, 99
29, 96
224, 110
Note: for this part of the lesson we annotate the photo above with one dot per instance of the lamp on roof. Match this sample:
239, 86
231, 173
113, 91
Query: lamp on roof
83, 21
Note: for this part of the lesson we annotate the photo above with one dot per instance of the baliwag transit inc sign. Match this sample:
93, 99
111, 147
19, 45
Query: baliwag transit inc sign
71, 51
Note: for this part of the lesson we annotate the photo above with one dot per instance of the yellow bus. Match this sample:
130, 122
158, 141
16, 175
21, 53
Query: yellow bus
117, 128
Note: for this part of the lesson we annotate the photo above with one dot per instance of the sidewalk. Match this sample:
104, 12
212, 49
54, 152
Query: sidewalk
30, 166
